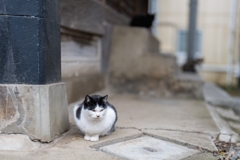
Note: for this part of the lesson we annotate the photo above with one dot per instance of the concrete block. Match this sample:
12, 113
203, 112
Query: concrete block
39, 111
224, 138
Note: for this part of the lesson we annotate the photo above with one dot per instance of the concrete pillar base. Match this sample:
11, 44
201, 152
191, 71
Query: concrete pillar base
39, 111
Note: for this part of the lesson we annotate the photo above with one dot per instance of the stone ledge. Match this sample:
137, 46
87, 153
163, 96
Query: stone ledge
39, 111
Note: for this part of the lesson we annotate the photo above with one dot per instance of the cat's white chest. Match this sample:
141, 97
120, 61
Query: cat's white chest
98, 126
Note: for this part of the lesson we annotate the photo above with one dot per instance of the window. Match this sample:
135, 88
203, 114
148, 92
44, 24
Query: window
182, 43
182, 46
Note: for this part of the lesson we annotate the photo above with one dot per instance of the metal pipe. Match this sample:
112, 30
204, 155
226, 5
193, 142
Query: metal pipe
231, 40
192, 30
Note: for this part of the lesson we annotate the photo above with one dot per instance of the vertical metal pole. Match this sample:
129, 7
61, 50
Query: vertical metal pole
192, 24
231, 41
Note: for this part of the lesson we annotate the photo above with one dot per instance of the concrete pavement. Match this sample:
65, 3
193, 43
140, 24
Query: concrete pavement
186, 123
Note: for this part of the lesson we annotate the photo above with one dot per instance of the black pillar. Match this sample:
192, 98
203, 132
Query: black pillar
192, 24
29, 42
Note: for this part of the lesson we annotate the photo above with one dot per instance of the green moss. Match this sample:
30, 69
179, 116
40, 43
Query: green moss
236, 130
232, 90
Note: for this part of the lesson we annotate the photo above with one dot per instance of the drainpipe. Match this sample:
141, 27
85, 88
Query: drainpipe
231, 40
192, 25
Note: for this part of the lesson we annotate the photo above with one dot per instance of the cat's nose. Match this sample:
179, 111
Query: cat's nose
98, 116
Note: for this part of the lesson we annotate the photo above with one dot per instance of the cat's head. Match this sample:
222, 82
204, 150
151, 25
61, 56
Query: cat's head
95, 106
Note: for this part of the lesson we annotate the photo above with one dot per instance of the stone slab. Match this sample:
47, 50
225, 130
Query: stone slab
163, 113
220, 122
74, 140
196, 139
145, 148
71, 146
58, 153
17, 142
188, 85
203, 156
228, 114
39, 111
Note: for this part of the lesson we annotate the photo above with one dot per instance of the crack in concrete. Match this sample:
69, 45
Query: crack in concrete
165, 129
203, 150
113, 141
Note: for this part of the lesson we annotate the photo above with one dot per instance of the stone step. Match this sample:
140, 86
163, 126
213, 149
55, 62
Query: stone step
188, 84
137, 66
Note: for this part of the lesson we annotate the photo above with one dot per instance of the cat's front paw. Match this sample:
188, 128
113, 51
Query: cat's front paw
87, 138
94, 138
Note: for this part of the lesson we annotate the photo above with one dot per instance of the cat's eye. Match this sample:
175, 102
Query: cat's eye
101, 110
93, 110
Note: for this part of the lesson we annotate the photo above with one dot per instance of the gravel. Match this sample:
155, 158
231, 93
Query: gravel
227, 151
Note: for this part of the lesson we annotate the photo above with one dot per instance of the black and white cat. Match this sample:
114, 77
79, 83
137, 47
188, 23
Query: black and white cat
95, 117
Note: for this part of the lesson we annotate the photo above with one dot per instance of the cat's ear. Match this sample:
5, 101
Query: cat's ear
104, 99
87, 98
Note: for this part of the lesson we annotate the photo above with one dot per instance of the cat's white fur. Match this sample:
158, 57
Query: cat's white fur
95, 124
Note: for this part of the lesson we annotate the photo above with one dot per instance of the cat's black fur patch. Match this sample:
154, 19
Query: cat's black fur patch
91, 102
142, 21
113, 127
78, 112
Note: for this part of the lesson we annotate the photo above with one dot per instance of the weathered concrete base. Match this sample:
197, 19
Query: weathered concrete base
39, 111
